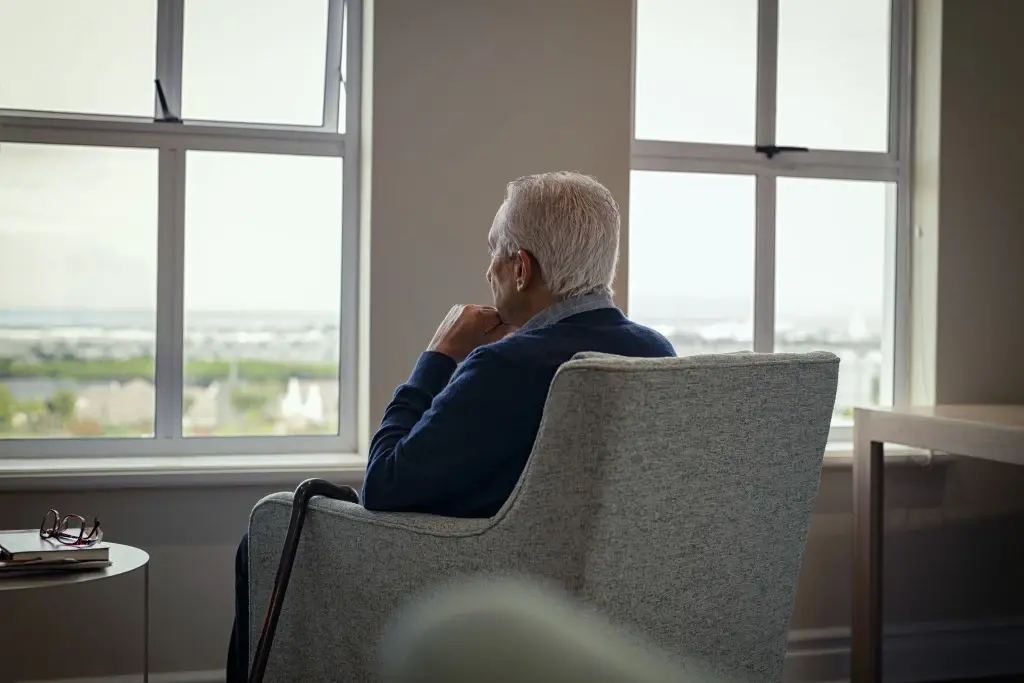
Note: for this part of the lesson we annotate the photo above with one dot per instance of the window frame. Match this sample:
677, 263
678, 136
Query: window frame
173, 140
893, 166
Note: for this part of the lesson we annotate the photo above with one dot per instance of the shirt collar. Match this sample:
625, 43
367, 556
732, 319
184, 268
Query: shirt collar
568, 307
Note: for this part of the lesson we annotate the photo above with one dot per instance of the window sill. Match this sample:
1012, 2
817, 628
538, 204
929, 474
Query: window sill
35, 474
840, 455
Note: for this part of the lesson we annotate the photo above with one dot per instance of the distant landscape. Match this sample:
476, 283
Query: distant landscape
66, 373
81, 373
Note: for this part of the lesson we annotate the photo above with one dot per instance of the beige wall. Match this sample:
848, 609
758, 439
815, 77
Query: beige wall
980, 333
469, 94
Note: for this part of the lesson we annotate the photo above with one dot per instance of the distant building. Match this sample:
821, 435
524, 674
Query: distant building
307, 404
203, 411
117, 404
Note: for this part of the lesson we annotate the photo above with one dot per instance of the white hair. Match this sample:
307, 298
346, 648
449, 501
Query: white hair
569, 223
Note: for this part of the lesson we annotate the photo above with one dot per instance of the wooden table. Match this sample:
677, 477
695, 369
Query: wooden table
985, 432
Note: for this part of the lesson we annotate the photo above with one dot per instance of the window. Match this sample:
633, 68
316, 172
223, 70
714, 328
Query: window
268, 68
677, 96
79, 241
770, 158
712, 271
83, 57
178, 261
262, 329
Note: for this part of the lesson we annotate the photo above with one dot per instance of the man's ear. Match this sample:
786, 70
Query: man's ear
525, 270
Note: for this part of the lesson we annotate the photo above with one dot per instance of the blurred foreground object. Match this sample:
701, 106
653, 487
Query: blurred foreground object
505, 631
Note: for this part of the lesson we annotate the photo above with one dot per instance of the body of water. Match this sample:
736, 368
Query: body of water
42, 388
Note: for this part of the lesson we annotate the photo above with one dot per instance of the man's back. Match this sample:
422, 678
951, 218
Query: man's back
458, 447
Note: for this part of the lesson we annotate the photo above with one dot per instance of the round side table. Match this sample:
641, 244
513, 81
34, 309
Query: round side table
124, 559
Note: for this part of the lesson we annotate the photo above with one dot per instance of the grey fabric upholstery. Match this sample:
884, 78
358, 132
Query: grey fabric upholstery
672, 495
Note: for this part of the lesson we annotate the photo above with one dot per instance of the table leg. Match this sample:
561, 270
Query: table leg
868, 500
145, 624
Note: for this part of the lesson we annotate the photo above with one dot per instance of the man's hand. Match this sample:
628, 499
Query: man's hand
467, 327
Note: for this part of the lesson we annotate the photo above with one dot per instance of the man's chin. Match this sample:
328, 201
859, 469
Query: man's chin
506, 310
502, 310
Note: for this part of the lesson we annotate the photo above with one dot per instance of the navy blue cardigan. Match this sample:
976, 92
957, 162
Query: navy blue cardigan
454, 440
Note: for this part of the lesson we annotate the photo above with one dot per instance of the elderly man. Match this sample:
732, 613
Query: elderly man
455, 439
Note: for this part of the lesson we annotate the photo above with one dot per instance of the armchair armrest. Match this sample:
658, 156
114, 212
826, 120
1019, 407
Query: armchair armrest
352, 570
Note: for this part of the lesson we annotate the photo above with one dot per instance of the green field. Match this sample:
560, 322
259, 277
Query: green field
196, 371
259, 384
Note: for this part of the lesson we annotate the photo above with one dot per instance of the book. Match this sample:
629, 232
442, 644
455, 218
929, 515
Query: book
24, 548
20, 569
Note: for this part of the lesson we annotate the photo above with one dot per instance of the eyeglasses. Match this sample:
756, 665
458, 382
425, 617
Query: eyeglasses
70, 529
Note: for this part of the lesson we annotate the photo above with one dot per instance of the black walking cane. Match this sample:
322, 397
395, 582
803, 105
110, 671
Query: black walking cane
305, 491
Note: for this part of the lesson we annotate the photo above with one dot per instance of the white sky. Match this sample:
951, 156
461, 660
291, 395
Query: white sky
78, 226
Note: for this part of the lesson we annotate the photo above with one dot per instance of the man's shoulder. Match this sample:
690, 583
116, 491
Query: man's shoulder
658, 344
557, 343
513, 347
523, 352
509, 363
504, 354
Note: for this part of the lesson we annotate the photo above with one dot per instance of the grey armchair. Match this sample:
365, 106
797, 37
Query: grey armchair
672, 495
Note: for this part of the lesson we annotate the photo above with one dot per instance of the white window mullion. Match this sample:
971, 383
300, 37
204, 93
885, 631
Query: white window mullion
764, 212
899, 57
764, 265
348, 366
170, 39
901, 141
776, 167
332, 68
169, 380
890, 366
767, 69
734, 154
354, 73
99, 132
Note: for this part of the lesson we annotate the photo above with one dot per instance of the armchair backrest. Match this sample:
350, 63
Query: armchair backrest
679, 493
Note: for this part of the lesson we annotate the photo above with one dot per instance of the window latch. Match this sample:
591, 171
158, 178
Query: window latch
167, 116
774, 150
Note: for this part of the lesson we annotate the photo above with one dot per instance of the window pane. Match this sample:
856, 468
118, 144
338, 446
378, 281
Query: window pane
830, 275
262, 294
696, 70
258, 61
343, 100
78, 229
94, 57
691, 258
834, 74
